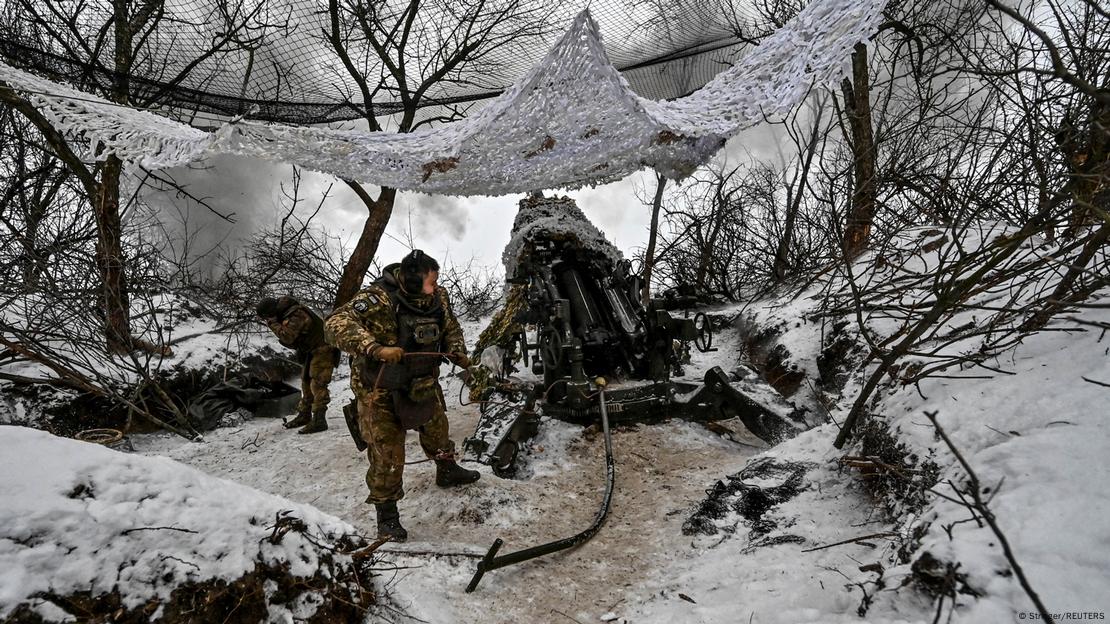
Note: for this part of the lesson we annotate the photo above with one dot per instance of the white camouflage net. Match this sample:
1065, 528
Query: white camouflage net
572, 121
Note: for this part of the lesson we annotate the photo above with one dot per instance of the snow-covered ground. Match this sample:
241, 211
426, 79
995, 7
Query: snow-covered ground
1031, 423
77, 517
1035, 434
656, 465
1039, 440
637, 568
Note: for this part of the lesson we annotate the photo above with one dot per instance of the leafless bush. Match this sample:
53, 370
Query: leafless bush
475, 291
51, 320
51, 323
1031, 150
725, 230
295, 256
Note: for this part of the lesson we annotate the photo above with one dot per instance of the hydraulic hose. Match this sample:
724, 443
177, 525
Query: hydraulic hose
492, 562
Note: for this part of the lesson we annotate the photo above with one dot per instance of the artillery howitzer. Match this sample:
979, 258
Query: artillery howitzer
573, 317
574, 313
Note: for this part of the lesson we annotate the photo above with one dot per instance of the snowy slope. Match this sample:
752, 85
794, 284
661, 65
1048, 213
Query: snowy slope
1040, 437
1031, 427
77, 517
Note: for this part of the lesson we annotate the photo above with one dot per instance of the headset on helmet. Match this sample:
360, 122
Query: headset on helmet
414, 267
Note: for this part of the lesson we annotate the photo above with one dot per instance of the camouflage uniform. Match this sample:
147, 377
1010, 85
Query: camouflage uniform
302, 330
361, 326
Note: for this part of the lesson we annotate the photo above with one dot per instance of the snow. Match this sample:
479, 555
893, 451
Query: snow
1035, 434
1040, 432
662, 473
555, 218
571, 121
733, 580
79, 517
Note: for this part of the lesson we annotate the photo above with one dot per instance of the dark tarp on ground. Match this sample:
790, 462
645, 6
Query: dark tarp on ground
260, 397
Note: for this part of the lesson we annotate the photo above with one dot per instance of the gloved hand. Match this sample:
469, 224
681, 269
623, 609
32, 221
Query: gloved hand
459, 359
389, 355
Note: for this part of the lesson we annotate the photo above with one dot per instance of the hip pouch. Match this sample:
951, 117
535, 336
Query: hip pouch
416, 405
422, 389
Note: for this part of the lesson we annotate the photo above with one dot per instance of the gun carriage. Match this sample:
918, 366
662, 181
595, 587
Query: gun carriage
574, 316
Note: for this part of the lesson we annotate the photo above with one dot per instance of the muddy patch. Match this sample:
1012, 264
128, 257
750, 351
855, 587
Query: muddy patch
747, 497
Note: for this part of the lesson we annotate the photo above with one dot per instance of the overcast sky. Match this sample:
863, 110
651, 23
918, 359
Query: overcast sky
451, 229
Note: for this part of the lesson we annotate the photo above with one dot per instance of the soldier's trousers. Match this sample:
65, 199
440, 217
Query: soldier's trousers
315, 377
385, 439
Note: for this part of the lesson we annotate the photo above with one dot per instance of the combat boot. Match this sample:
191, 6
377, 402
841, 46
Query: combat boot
449, 474
318, 423
389, 522
303, 418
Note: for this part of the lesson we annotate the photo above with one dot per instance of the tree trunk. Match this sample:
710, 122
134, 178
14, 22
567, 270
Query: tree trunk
1089, 164
109, 259
379, 212
109, 228
857, 94
653, 231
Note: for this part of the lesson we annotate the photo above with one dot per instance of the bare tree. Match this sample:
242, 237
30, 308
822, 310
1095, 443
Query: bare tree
857, 98
653, 235
475, 290
39, 218
409, 51
1018, 156
131, 31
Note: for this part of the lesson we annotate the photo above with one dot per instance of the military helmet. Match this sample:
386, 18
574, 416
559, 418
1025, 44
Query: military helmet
284, 303
267, 308
414, 267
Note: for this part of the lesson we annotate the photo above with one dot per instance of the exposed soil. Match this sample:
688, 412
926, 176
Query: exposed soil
672, 461
747, 499
838, 358
773, 361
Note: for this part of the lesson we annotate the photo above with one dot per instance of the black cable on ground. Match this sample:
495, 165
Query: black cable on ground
492, 562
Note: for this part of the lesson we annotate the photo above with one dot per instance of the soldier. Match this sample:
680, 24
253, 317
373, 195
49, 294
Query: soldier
397, 330
301, 329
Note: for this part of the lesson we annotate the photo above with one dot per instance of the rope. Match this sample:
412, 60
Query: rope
442, 455
381, 369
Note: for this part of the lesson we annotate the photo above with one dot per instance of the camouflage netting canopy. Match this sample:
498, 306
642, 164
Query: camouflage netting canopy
572, 120
280, 60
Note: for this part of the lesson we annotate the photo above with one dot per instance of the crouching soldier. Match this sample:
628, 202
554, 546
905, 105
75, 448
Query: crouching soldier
397, 330
301, 329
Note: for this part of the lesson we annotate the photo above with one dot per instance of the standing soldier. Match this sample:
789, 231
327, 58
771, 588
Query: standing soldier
301, 329
397, 330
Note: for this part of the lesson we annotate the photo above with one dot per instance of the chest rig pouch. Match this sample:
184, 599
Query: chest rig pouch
423, 332
413, 383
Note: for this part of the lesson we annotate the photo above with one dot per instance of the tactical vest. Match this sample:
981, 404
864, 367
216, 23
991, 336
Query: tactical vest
418, 331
